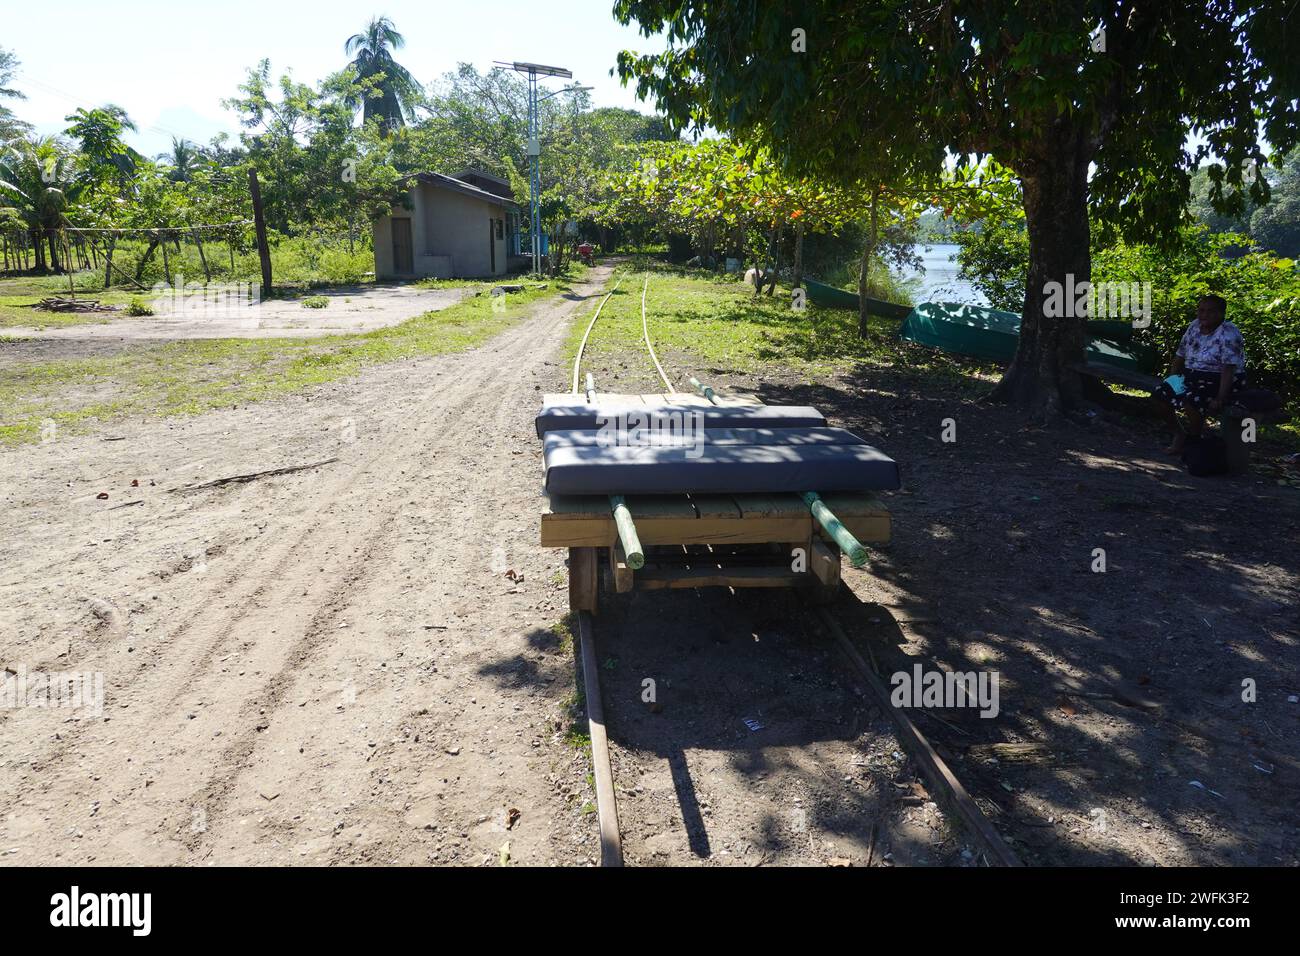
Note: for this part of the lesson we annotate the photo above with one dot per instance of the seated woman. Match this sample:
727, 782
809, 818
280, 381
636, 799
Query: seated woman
1211, 359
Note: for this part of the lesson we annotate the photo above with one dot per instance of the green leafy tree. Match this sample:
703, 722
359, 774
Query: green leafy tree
318, 170
1276, 224
103, 155
1089, 102
392, 98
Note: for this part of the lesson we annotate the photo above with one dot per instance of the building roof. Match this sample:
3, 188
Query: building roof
456, 185
473, 171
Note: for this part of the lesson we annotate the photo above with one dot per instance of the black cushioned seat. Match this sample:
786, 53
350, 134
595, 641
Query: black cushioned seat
727, 461
573, 412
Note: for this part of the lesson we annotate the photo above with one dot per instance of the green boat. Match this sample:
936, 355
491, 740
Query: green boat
993, 334
831, 297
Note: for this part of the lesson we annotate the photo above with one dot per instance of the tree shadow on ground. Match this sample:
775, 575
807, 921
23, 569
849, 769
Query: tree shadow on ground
1131, 678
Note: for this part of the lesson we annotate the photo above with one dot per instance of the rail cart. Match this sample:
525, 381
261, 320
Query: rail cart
624, 542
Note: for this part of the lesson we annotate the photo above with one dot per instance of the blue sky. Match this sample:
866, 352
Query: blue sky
169, 64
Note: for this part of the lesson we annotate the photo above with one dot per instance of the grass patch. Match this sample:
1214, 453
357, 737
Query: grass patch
16, 308
714, 323
192, 376
316, 302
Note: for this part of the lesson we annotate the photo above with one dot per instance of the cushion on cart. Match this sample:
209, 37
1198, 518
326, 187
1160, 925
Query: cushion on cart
725, 461
574, 412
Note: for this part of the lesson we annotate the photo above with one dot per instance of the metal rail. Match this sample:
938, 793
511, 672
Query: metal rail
645, 328
943, 781
611, 844
577, 361
941, 778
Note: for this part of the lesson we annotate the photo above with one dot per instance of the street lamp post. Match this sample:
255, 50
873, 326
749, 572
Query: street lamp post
534, 70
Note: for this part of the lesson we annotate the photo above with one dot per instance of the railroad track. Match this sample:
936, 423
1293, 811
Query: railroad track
944, 784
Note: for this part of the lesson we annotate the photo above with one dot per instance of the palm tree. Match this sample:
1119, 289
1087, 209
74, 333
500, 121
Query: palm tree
396, 93
36, 178
182, 160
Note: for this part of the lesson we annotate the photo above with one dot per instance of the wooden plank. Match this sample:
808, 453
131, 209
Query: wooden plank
653, 579
715, 507
685, 400
736, 401
770, 506
863, 514
942, 780
824, 563
566, 507
783, 508
622, 576
611, 844
586, 521
582, 579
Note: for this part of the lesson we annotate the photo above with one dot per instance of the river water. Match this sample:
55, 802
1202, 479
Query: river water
939, 280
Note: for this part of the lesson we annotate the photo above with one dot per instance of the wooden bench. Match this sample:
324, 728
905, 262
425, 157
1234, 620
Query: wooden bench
1120, 376
743, 540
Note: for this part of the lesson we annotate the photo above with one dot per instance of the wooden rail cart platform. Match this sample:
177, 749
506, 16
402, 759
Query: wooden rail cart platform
690, 541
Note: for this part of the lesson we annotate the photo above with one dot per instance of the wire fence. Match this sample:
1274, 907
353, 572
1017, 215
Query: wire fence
141, 258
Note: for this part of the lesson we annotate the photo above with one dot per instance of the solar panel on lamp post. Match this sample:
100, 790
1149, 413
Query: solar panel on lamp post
534, 70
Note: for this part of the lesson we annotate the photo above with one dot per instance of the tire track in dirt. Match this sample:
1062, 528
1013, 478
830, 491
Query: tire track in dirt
272, 582
248, 755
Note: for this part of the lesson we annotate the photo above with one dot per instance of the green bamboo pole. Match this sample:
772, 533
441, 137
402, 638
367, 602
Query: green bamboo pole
627, 533
705, 390
591, 387
835, 528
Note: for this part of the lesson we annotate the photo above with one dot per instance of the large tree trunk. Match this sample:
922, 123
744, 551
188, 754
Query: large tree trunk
1040, 378
53, 240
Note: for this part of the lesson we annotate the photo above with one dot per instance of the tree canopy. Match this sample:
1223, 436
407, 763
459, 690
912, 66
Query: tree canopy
1097, 106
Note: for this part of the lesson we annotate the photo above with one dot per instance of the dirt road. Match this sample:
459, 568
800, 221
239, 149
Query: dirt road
352, 663
226, 315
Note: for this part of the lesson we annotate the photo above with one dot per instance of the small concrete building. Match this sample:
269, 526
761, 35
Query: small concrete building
462, 226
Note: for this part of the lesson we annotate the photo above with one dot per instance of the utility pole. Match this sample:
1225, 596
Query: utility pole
534, 70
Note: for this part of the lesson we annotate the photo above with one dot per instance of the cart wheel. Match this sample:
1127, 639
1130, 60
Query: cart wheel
583, 591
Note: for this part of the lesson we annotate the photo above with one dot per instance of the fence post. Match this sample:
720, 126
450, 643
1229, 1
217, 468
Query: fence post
259, 222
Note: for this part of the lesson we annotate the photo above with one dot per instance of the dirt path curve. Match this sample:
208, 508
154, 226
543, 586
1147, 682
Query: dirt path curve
328, 666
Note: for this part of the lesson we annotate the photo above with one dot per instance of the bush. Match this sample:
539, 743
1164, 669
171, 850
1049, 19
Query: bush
299, 260
1263, 291
139, 307
343, 268
315, 302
